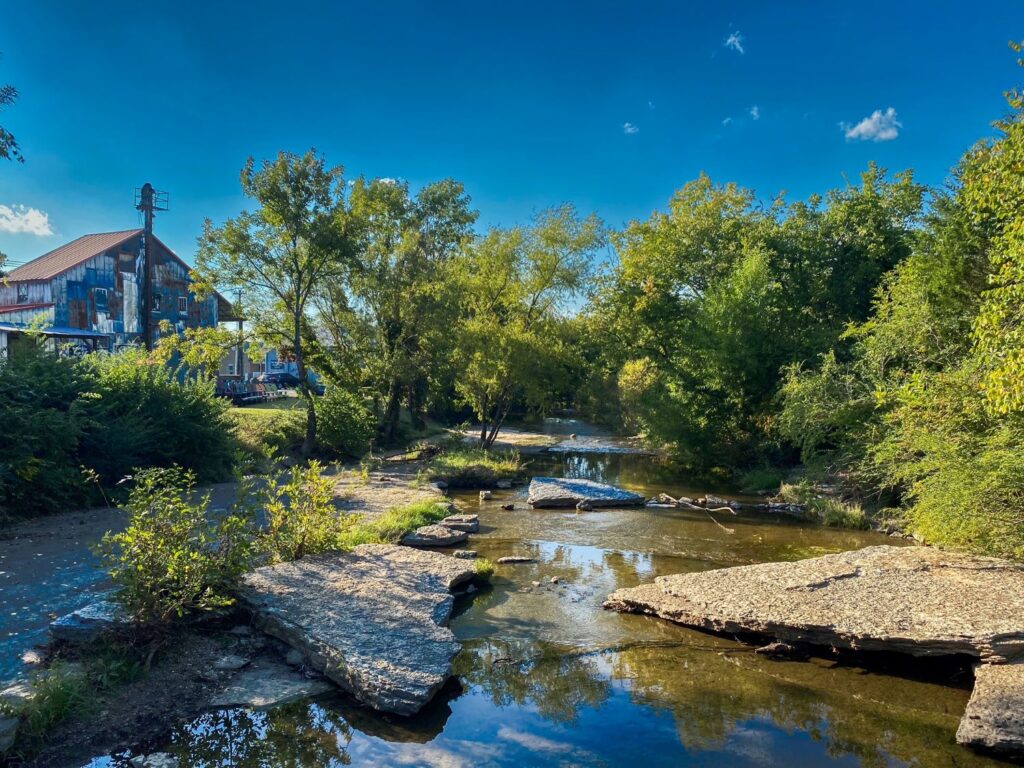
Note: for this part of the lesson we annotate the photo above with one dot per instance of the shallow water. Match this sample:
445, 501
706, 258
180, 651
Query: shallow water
546, 677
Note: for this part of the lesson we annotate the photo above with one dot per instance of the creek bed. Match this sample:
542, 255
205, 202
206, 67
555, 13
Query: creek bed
546, 677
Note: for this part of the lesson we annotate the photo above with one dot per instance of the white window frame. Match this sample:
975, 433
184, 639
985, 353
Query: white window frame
183, 305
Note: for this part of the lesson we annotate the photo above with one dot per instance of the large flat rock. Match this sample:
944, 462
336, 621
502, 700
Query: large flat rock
372, 621
269, 685
915, 600
550, 492
994, 719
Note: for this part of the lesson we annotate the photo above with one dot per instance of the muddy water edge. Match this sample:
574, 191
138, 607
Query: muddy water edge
547, 677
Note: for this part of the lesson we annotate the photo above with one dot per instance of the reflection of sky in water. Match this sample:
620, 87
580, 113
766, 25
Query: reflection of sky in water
550, 678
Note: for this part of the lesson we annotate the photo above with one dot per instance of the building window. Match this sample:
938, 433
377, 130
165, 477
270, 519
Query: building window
183, 304
22, 293
156, 302
100, 294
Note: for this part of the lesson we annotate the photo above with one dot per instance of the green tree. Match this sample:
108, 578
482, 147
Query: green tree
9, 149
392, 318
517, 284
277, 256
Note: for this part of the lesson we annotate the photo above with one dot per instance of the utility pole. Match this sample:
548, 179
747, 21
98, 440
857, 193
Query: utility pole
148, 200
240, 350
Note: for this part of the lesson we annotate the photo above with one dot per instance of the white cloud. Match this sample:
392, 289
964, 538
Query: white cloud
630, 129
20, 218
727, 121
755, 112
650, 105
734, 42
880, 126
387, 180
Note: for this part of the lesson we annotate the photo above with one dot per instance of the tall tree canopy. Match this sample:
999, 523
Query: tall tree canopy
9, 149
275, 257
517, 284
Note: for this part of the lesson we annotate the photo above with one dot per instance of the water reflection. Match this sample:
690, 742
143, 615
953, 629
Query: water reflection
300, 735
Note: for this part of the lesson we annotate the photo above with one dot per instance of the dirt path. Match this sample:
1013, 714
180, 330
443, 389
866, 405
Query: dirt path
48, 567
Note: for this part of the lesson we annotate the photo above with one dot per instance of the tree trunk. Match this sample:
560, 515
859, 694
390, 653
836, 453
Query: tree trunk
309, 442
392, 413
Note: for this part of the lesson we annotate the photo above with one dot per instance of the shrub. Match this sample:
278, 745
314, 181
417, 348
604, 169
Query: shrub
762, 479
42, 403
266, 433
176, 556
344, 425
828, 510
465, 467
483, 568
147, 414
302, 518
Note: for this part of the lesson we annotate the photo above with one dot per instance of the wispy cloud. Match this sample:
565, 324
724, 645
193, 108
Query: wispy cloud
755, 112
630, 129
727, 121
22, 219
734, 42
650, 105
878, 126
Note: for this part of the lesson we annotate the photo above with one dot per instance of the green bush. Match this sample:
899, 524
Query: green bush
762, 479
302, 518
827, 510
344, 425
176, 556
465, 467
147, 414
263, 434
82, 424
44, 414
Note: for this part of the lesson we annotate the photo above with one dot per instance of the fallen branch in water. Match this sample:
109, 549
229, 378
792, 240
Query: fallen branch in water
730, 531
698, 507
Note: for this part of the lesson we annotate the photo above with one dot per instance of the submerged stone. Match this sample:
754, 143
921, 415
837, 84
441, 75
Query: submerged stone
514, 559
467, 523
268, 685
434, 536
89, 623
994, 719
915, 600
550, 492
373, 621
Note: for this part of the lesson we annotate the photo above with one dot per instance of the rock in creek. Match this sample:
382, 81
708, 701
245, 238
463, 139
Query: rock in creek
372, 620
155, 760
994, 719
549, 492
268, 685
466, 554
915, 600
434, 536
88, 624
467, 523
514, 559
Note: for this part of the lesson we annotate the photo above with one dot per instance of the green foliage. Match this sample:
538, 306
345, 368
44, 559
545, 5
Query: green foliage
9, 149
346, 426
147, 414
176, 555
44, 402
761, 480
264, 434
516, 283
57, 693
83, 424
276, 257
825, 508
390, 527
711, 299
465, 467
483, 568
302, 518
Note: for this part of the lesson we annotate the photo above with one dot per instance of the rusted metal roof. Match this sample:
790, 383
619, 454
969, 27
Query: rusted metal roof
9, 308
51, 264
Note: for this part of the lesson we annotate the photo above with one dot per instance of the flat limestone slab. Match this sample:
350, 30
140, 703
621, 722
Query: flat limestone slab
267, 686
994, 719
915, 600
551, 492
372, 620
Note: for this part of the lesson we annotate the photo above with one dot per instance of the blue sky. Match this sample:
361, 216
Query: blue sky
527, 103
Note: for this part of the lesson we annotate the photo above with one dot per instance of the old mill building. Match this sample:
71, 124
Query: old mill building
92, 293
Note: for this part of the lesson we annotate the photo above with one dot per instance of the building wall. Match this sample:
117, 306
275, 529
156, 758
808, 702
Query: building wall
106, 294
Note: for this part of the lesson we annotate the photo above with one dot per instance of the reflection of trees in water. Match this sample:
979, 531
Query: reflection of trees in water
873, 717
551, 677
300, 735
